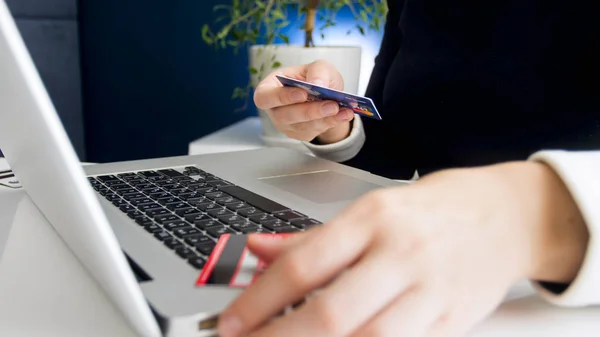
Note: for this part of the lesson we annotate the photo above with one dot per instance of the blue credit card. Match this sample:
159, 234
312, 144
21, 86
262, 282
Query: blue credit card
363, 106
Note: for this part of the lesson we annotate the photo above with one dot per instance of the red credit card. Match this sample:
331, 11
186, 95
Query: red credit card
231, 263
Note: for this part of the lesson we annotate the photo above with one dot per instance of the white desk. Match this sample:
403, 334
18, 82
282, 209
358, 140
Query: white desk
45, 292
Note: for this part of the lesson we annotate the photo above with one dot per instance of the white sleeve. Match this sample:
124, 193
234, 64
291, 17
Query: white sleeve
346, 148
580, 171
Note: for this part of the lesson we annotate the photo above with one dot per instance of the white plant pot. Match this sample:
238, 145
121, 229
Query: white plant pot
346, 59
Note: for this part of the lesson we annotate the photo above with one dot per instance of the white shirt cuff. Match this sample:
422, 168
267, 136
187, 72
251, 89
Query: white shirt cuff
580, 171
346, 148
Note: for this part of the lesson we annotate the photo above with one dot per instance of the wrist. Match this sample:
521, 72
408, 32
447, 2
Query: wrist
560, 234
335, 134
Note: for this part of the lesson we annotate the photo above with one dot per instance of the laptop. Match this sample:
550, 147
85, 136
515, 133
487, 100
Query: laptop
143, 229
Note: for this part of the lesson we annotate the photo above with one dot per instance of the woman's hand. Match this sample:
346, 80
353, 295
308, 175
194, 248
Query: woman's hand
294, 115
427, 260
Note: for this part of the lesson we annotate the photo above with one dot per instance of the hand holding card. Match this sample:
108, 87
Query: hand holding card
361, 105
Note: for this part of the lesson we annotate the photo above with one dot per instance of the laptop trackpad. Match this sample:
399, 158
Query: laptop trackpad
323, 186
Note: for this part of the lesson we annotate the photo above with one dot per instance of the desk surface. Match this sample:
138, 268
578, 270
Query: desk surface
45, 292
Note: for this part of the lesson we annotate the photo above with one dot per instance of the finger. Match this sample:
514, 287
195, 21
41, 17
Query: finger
412, 314
269, 247
270, 93
269, 97
321, 256
325, 74
303, 112
348, 302
321, 125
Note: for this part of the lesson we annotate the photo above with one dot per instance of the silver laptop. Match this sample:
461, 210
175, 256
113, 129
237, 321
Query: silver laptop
144, 229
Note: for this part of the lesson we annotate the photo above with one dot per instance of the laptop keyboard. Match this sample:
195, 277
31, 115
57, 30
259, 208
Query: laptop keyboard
188, 209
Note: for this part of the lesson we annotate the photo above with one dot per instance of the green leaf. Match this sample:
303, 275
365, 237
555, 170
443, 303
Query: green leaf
363, 15
322, 36
253, 71
278, 14
206, 34
284, 38
361, 29
276, 65
223, 33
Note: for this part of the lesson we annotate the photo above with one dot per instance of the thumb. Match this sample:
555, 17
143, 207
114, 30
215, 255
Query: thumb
268, 247
325, 74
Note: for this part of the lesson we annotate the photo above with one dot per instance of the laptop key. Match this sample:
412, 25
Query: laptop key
216, 232
254, 230
126, 208
162, 235
149, 174
249, 211
124, 191
173, 225
197, 262
243, 225
191, 218
274, 224
196, 239
132, 196
119, 202
148, 207
158, 211
169, 200
134, 214
185, 252
219, 183
177, 205
107, 178
161, 219
159, 195
207, 190
205, 224
153, 228
304, 223
144, 186
216, 195
152, 190
208, 206
219, 212
183, 232
287, 229
190, 195
144, 221
226, 200
253, 199
289, 215
183, 212
231, 218
205, 248
173, 243
260, 218
235, 206
141, 201
171, 173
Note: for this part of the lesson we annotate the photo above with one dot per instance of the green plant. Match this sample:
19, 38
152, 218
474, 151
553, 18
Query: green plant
246, 22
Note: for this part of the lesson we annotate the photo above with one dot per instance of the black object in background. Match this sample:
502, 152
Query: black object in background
151, 84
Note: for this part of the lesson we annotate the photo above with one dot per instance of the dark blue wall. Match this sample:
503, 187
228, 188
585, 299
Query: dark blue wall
150, 83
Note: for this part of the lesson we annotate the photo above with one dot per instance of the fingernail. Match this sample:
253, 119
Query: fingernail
329, 109
297, 96
229, 326
343, 115
319, 82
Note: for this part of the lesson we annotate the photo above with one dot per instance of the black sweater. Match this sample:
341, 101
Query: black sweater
470, 82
